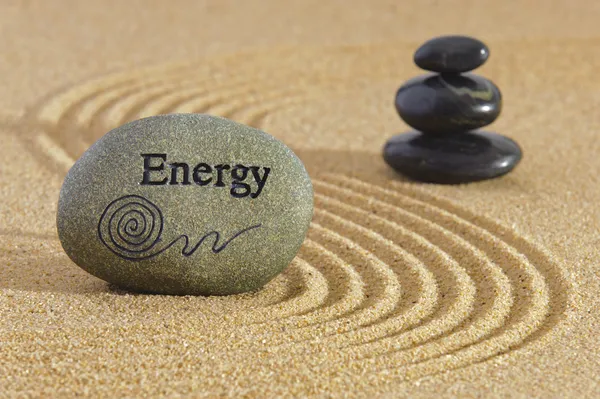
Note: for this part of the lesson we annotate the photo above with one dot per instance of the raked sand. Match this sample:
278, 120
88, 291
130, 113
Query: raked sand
401, 289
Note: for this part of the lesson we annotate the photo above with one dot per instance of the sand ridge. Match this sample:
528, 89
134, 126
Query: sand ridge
397, 285
473, 291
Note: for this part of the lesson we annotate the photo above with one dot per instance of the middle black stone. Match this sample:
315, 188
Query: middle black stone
448, 103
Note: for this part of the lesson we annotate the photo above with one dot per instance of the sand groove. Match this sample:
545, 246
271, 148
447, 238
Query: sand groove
245, 91
530, 287
391, 279
350, 297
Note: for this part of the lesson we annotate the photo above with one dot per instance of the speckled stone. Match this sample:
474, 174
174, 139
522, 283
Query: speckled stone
452, 159
451, 54
185, 204
448, 103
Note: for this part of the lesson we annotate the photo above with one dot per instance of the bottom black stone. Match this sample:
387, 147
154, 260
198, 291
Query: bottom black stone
452, 158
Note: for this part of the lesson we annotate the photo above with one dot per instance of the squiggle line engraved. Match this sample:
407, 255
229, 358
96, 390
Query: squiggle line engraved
131, 226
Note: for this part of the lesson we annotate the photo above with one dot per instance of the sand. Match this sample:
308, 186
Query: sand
401, 289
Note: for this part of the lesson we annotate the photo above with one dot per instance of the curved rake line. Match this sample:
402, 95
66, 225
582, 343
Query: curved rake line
351, 299
314, 284
47, 109
359, 227
562, 294
55, 151
83, 109
303, 323
281, 289
382, 286
422, 294
426, 366
528, 326
85, 105
74, 111
427, 333
414, 375
351, 296
298, 289
462, 280
145, 97
125, 109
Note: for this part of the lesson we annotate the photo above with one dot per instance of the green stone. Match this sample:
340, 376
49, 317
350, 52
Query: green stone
185, 204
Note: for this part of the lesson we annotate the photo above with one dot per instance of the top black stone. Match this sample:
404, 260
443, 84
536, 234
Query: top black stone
451, 54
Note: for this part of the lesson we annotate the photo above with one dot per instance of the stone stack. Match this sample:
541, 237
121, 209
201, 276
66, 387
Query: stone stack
446, 108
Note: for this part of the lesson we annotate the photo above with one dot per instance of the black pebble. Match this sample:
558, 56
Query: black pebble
452, 159
451, 54
448, 103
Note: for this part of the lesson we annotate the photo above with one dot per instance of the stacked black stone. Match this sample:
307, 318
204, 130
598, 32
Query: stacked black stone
445, 108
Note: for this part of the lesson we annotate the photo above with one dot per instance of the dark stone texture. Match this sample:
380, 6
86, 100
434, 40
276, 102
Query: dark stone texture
448, 103
452, 159
451, 54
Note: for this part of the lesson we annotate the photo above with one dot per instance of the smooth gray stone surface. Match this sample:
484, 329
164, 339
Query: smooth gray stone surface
185, 204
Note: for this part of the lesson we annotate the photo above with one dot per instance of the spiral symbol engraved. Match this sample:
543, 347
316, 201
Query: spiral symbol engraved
130, 226
393, 280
